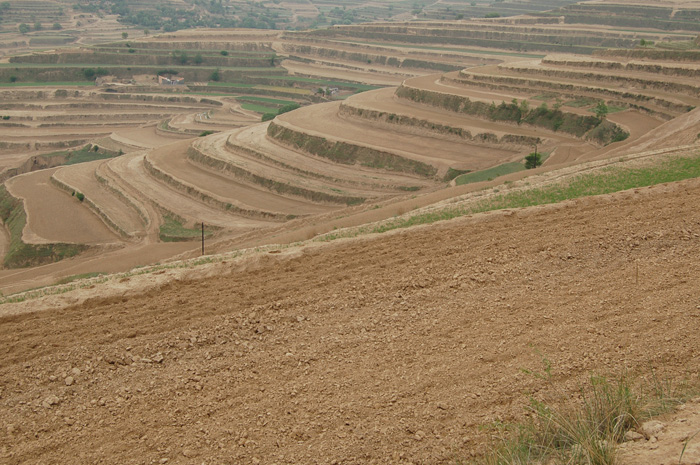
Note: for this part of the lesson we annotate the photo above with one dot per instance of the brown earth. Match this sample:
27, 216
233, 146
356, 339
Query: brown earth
390, 349
52, 215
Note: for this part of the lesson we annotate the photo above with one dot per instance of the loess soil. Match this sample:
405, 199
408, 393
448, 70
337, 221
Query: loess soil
394, 349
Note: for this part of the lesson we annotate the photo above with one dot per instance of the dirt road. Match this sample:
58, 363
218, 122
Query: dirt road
394, 349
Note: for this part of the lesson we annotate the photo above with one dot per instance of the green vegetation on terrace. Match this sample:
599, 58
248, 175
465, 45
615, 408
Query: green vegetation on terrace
20, 254
490, 174
446, 49
85, 154
271, 101
173, 230
258, 108
76, 277
603, 181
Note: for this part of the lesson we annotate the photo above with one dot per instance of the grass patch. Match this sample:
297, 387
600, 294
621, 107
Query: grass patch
258, 108
174, 231
85, 154
20, 254
77, 277
491, 173
585, 431
611, 109
581, 102
268, 100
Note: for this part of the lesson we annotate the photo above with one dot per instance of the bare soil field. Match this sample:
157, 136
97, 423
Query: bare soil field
81, 178
52, 215
396, 349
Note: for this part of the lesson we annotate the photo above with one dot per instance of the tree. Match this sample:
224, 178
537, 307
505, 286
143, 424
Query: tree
57, 27
601, 110
125, 35
533, 160
524, 107
38, 26
215, 76
198, 59
24, 28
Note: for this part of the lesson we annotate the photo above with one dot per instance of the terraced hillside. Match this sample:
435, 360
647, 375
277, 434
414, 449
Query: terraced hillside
400, 112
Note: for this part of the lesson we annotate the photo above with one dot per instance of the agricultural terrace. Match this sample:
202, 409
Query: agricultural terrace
354, 118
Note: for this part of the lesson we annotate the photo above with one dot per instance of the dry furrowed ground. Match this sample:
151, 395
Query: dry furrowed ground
394, 349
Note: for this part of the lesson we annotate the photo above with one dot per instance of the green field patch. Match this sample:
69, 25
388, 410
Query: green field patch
231, 84
83, 155
611, 109
77, 277
173, 230
271, 101
490, 174
258, 108
581, 102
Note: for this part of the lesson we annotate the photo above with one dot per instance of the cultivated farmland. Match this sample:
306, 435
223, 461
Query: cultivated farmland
358, 243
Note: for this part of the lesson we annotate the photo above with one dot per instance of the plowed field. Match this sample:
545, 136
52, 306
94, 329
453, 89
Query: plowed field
378, 350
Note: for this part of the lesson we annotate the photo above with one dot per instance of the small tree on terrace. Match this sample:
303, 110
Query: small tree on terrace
533, 160
125, 35
24, 28
601, 110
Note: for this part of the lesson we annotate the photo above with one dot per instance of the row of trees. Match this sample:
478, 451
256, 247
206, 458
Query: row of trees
25, 28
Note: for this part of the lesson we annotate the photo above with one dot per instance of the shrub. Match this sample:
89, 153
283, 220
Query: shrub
80, 196
224, 53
